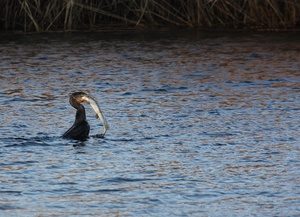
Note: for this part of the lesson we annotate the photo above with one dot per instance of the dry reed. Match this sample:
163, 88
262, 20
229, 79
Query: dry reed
67, 15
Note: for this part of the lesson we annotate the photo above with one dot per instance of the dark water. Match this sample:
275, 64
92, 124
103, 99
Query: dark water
200, 125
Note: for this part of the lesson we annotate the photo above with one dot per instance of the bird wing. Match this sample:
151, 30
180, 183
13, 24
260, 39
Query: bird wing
78, 131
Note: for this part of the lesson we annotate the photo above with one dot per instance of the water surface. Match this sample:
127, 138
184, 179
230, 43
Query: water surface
201, 124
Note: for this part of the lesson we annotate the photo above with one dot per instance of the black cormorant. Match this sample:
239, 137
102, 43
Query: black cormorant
81, 128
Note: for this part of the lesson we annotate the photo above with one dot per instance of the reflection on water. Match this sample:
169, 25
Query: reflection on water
201, 124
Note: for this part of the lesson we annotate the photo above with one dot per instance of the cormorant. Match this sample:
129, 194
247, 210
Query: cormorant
81, 128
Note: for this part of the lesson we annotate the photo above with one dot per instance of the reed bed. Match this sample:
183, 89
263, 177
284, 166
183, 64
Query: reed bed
68, 15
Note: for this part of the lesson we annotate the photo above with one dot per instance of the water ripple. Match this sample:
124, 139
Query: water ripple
201, 125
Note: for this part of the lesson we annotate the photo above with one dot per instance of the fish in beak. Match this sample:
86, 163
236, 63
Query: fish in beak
98, 111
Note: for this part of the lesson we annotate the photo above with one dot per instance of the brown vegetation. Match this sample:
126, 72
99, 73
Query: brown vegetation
52, 15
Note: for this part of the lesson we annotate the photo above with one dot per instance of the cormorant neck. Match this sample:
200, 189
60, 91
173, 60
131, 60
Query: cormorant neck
80, 114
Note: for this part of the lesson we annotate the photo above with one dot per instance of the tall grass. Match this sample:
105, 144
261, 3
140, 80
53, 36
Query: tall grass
67, 15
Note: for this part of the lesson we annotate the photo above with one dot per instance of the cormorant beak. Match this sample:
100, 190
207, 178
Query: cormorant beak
98, 111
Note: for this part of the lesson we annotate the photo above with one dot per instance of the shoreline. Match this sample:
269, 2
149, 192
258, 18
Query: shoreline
93, 15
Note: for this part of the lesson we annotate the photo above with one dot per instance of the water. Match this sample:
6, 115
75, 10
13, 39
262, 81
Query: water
201, 124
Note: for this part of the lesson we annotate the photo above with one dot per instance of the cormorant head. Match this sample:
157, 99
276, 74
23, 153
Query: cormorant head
78, 97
